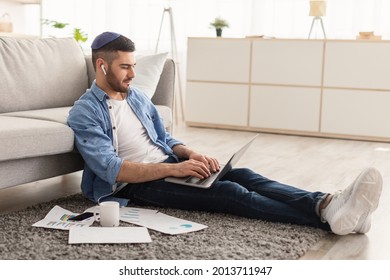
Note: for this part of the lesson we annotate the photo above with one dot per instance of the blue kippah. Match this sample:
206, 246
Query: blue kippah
103, 39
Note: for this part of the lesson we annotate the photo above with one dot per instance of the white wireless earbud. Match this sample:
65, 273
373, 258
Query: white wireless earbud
103, 69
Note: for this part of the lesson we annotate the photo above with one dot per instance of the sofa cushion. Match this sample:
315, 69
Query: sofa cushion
148, 71
24, 138
40, 73
59, 115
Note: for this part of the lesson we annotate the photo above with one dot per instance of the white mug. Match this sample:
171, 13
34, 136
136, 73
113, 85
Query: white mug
109, 214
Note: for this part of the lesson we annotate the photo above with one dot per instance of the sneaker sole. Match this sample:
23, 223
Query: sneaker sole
364, 200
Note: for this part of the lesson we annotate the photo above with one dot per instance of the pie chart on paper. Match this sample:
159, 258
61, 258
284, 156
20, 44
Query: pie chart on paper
186, 225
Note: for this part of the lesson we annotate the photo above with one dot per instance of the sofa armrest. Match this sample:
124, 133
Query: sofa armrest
90, 70
165, 90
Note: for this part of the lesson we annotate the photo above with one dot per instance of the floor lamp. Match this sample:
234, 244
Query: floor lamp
317, 11
174, 56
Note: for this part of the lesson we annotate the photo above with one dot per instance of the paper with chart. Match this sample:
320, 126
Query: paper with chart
155, 220
58, 217
158, 221
108, 235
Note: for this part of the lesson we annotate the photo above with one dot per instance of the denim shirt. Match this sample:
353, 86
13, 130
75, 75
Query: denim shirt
95, 139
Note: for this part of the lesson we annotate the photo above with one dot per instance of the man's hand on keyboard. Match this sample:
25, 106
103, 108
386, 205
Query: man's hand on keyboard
212, 163
190, 167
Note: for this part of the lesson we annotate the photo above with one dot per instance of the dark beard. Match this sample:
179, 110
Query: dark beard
115, 85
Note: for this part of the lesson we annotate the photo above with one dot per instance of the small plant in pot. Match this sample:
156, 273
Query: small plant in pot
78, 34
219, 24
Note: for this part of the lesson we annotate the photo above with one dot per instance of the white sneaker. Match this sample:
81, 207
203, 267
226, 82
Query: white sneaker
364, 223
350, 210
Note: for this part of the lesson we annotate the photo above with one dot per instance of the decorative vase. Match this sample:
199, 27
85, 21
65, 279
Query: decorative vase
219, 32
5, 23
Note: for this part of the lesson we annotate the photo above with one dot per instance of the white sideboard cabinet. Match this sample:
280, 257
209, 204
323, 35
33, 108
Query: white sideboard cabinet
218, 74
356, 94
330, 88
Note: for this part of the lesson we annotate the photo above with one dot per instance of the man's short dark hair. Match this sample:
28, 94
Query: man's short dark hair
109, 51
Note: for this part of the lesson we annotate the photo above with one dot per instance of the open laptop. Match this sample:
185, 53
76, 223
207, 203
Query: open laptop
208, 182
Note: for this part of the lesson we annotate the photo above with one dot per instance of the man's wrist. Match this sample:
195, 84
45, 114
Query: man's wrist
182, 151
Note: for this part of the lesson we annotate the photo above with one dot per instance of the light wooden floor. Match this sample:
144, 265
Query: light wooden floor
310, 163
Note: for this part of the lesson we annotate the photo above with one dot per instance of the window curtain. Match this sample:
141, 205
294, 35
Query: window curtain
141, 19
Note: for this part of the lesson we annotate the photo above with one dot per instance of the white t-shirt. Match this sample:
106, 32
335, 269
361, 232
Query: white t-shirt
134, 143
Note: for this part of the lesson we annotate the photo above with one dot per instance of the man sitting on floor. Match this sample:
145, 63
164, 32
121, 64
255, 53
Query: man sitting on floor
128, 153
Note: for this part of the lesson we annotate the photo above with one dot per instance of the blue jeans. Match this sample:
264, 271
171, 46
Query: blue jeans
240, 192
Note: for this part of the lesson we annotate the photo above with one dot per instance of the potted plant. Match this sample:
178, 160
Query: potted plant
219, 24
78, 34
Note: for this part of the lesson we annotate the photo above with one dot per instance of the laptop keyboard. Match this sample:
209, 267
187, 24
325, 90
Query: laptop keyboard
194, 180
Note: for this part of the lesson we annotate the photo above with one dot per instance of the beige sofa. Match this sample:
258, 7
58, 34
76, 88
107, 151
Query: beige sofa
39, 81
